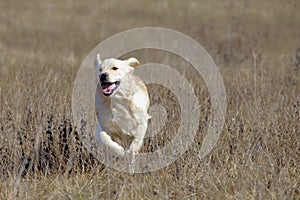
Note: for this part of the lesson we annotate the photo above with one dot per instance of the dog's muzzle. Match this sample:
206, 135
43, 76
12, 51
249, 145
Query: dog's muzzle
107, 87
103, 77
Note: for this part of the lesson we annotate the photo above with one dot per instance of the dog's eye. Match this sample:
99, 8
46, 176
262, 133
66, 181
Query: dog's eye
115, 68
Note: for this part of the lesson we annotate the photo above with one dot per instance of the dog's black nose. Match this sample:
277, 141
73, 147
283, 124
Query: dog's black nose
103, 77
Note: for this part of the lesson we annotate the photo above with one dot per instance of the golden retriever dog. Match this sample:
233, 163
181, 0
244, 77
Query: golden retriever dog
122, 104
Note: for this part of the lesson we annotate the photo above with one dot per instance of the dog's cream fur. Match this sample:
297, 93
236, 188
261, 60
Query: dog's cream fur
122, 110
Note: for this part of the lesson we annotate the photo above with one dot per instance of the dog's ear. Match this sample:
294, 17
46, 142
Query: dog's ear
133, 62
97, 61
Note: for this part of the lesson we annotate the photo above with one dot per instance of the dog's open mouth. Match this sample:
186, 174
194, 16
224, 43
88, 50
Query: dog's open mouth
109, 88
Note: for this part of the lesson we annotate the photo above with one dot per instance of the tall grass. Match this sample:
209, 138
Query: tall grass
254, 44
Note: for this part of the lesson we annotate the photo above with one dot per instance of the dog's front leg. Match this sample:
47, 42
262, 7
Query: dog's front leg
136, 145
137, 142
112, 145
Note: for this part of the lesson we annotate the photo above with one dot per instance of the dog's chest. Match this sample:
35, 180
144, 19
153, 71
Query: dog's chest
117, 117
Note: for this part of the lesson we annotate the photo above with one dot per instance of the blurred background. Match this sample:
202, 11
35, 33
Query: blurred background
229, 30
256, 47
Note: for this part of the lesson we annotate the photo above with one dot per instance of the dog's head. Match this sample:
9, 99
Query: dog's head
110, 72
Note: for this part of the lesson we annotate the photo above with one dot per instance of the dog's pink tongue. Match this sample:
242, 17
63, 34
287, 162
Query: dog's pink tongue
107, 88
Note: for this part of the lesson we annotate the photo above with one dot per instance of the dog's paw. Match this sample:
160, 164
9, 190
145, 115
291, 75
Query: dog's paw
120, 151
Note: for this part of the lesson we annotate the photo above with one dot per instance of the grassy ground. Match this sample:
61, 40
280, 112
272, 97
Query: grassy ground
42, 44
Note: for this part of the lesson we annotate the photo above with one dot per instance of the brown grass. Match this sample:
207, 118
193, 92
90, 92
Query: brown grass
42, 44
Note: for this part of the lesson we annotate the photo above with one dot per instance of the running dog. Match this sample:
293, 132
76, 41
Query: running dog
122, 104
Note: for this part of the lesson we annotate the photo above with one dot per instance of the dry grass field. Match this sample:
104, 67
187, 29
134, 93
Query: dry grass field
254, 44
